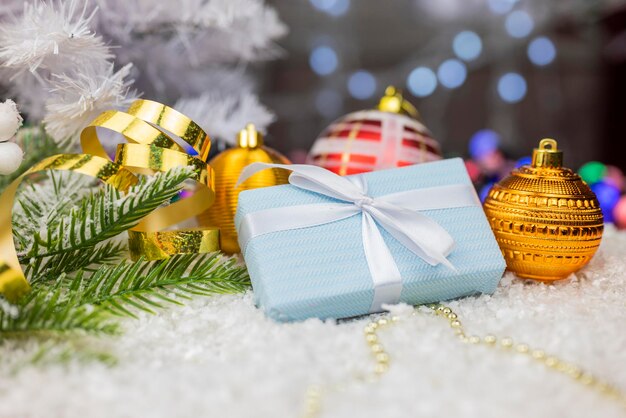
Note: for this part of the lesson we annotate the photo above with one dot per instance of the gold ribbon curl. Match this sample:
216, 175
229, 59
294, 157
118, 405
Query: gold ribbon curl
147, 127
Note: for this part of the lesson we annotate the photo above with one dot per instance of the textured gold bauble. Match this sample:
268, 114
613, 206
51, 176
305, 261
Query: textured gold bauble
546, 219
227, 166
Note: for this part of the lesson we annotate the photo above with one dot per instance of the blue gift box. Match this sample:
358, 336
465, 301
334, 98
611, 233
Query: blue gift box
321, 271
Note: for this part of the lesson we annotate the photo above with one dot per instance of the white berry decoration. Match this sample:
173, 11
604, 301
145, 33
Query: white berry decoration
10, 120
11, 157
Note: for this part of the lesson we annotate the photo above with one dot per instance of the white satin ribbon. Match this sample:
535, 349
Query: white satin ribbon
397, 213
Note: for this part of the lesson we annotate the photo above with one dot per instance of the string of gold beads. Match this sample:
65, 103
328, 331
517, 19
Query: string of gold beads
381, 357
550, 361
315, 393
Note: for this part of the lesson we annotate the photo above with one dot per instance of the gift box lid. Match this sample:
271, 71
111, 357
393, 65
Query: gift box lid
322, 272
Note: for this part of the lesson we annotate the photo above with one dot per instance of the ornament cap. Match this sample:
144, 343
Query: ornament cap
394, 102
547, 155
249, 137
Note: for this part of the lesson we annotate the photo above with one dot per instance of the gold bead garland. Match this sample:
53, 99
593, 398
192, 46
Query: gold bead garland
550, 361
382, 359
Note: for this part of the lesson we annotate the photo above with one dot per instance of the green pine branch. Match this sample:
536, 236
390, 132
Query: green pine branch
84, 304
65, 232
41, 205
41, 314
47, 269
102, 214
147, 286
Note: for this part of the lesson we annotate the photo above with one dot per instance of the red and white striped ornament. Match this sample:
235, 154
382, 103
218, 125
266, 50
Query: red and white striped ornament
371, 140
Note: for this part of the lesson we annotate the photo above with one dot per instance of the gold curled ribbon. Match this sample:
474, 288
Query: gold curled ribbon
175, 122
147, 127
158, 245
150, 149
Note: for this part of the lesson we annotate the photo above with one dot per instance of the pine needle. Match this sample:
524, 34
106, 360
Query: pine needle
101, 215
147, 286
42, 315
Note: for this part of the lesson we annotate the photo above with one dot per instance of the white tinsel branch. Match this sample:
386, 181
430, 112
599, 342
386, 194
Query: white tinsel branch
76, 99
201, 31
50, 53
51, 35
223, 116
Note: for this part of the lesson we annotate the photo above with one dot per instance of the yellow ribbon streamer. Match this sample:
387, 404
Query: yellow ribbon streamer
149, 128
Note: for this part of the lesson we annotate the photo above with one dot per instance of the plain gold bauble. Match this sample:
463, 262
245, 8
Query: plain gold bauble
546, 219
227, 166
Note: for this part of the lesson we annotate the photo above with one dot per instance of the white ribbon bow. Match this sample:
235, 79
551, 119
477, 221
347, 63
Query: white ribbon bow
397, 213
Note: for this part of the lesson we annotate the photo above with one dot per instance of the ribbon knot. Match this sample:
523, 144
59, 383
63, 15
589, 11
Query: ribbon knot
364, 201
398, 214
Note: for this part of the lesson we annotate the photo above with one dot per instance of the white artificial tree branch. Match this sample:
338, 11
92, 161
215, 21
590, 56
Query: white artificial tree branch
77, 98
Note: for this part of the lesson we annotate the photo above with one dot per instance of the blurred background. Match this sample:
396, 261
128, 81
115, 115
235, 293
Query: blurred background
490, 78
500, 71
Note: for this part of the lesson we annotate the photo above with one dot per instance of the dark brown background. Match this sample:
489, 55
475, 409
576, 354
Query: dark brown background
579, 99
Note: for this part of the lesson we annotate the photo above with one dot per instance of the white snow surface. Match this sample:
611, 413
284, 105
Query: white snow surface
221, 357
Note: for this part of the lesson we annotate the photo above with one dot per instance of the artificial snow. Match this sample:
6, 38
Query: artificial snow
221, 357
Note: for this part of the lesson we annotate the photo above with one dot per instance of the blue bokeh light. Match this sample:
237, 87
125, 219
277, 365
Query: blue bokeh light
332, 7
340, 8
452, 73
467, 45
501, 6
541, 51
523, 161
329, 103
484, 191
519, 24
512, 87
422, 81
608, 195
323, 60
362, 85
483, 142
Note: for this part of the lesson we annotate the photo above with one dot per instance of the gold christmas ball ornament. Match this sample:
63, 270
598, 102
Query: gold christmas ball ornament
546, 219
227, 166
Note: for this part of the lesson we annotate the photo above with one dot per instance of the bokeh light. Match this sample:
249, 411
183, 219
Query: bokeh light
501, 6
512, 87
541, 51
619, 212
362, 85
467, 45
493, 163
523, 161
608, 196
329, 103
452, 73
422, 81
332, 7
592, 172
473, 170
519, 24
483, 143
323, 60
484, 191
615, 176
